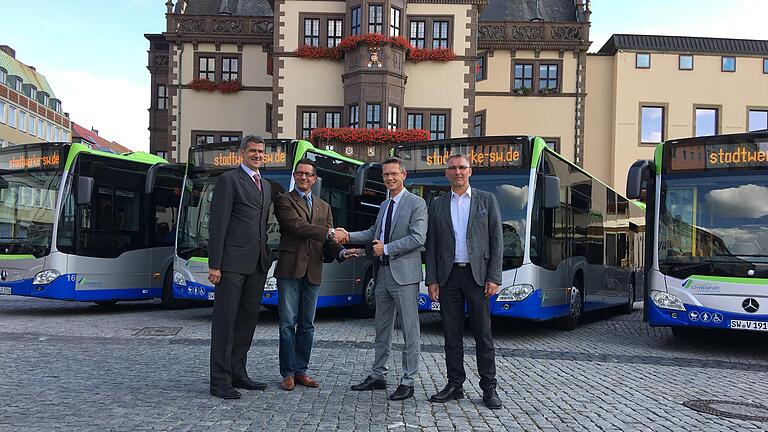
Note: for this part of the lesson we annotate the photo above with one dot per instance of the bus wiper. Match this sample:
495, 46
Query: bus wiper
33, 247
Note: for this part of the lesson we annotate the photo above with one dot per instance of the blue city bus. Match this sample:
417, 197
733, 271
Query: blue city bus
85, 225
349, 283
707, 248
571, 243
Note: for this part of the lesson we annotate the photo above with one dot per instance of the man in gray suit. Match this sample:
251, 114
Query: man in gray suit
464, 255
397, 239
238, 261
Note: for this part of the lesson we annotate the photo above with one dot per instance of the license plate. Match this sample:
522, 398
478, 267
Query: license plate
749, 325
210, 295
6, 290
435, 306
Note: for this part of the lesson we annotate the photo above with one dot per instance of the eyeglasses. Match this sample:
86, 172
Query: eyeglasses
303, 174
457, 168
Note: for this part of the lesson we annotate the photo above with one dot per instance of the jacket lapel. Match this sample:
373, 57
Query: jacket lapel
446, 210
301, 204
398, 207
250, 185
474, 207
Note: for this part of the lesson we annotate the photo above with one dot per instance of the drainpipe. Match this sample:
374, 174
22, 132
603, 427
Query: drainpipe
178, 113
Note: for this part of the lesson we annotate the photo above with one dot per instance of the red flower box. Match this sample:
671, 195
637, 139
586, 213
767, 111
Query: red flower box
376, 39
230, 86
202, 84
369, 136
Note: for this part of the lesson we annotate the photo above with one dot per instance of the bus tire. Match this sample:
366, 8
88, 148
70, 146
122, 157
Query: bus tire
168, 301
575, 306
630, 306
367, 308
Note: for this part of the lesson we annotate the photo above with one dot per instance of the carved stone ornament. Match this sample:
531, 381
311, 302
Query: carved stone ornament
371, 151
374, 59
491, 32
227, 26
528, 33
262, 27
160, 60
192, 25
566, 33
349, 150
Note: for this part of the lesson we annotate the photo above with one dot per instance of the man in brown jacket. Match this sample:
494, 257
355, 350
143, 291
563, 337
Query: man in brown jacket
306, 231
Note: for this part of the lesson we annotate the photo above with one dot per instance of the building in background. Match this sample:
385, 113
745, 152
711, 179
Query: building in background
29, 110
91, 137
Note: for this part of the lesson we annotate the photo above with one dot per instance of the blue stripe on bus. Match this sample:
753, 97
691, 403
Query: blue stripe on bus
529, 308
658, 317
192, 291
63, 288
269, 298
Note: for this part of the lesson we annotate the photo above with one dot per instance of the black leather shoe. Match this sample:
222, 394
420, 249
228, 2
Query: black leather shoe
402, 392
450, 392
225, 392
491, 399
370, 383
248, 384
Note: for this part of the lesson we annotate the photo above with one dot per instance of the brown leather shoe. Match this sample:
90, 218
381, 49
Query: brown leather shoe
306, 381
287, 383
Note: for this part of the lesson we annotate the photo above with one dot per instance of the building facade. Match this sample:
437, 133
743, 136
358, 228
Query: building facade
29, 110
512, 67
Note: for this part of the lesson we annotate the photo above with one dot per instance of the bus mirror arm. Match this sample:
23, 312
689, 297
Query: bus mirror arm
84, 190
551, 192
361, 177
637, 178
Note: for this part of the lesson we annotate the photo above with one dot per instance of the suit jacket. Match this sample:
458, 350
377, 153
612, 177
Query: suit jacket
407, 237
237, 228
303, 241
485, 242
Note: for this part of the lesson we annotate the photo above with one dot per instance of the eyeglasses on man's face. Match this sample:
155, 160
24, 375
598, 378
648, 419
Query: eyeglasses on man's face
457, 168
303, 174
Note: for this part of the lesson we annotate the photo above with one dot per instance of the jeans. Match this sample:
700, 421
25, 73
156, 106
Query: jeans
296, 300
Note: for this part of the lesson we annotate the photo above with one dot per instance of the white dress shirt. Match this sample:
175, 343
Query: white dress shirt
250, 172
396, 200
460, 205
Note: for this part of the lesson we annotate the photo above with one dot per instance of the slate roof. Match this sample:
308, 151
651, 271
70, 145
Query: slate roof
634, 42
231, 7
528, 10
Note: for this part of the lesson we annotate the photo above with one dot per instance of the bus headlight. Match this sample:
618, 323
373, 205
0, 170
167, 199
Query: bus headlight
515, 293
178, 279
667, 301
271, 284
45, 277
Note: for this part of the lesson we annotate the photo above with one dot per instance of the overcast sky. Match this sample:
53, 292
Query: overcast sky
94, 53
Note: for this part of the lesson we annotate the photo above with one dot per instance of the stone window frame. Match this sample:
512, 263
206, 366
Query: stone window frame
428, 27
557, 143
722, 64
268, 119
321, 110
483, 114
356, 123
407, 117
383, 22
765, 66
336, 38
427, 118
392, 27
664, 119
484, 69
759, 109
216, 134
390, 117
680, 64
637, 60
218, 64
359, 9
323, 29
373, 121
535, 64
161, 99
718, 117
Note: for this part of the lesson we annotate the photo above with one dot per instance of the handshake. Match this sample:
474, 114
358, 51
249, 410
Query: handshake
341, 236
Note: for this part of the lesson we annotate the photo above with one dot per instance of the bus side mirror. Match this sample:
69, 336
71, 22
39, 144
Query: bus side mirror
83, 190
637, 178
551, 192
365, 172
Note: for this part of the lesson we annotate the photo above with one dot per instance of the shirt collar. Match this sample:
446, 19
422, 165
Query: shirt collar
397, 197
467, 193
301, 193
248, 171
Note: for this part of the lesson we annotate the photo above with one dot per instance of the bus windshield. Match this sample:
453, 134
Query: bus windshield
29, 182
714, 224
511, 190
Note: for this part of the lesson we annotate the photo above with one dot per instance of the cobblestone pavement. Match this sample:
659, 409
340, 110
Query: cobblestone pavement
136, 366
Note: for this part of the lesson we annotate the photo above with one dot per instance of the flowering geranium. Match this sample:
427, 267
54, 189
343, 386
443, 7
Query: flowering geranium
202, 84
369, 136
229, 86
376, 39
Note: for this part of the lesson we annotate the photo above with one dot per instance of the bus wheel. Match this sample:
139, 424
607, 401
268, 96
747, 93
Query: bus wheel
575, 308
367, 308
630, 306
168, 301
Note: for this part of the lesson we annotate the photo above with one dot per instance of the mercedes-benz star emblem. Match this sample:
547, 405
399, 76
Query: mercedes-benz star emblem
3, 274
750, 305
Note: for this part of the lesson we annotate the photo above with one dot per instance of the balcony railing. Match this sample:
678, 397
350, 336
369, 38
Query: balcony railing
528, 33
220, 25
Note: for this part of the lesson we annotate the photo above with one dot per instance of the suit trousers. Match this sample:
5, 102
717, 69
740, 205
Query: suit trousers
461, 288
399, 302
235, 313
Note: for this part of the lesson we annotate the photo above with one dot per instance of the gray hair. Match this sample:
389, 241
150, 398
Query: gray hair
458, 155
395, 160
250, 139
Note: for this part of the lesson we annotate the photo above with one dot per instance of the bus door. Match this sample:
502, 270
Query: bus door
163, 188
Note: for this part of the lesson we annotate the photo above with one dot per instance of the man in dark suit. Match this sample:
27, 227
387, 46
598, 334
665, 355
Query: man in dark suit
238, 261
463, 260
306, 232
396, 240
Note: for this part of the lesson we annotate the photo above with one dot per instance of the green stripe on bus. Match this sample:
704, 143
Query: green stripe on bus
536, 150
657, 157
729, 280
141, 157
303, 146
198, 259
16, 257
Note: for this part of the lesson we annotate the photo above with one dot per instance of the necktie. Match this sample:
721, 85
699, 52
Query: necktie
309, 206
388, 226
257, 179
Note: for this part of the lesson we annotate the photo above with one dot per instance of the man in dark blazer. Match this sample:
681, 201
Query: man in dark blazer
396, 240
463, 260
306, 232
238, 261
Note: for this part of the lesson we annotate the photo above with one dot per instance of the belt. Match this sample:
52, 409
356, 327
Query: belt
461, 264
